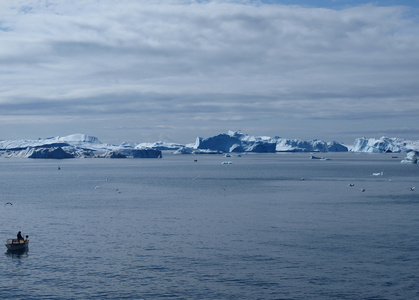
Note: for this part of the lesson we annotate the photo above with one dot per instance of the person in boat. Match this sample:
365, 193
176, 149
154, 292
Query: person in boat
20, 237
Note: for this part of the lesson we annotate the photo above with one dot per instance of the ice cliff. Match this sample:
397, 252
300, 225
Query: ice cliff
384, 145
72, 146
82, 145
234, 141
159, 146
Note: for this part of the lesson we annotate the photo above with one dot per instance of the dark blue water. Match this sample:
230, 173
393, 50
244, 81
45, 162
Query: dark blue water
265, 227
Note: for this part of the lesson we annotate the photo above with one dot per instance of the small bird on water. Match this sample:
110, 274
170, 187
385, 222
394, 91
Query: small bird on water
8, 203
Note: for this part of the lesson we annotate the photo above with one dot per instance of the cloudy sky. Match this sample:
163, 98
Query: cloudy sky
143, 71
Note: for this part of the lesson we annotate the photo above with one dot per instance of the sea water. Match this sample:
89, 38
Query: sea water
266, 226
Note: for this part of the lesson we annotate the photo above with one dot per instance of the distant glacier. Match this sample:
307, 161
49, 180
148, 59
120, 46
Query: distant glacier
82, 145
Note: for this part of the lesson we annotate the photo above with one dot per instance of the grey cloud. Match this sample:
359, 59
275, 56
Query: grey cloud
402, 132
208, 60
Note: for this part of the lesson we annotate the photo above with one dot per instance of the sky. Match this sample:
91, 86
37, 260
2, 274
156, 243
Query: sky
147, 71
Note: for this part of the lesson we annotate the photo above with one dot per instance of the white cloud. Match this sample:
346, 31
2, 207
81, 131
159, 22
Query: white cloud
156, 59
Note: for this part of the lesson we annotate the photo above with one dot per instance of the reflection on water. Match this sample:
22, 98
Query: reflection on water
18, 257
23, 253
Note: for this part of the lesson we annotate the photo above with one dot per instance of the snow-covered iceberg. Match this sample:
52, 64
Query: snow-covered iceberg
40, 152
72, 146
183, 150
411, 158
73, 139
384, 145
294, 145
234, 141
159, 146
132, 153
82, 145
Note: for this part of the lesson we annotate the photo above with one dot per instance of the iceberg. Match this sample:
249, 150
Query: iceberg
183, 150
378, 174
136, 153
78, 139
234, 141
336, 147
384, 145
40, 152
83, 146
73, 146
222, 142
237, 142
159, 146
411, 158
74, 139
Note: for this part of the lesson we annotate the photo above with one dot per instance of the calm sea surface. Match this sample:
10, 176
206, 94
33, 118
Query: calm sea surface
268, 226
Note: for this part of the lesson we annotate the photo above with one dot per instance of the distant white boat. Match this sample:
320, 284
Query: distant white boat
17, 245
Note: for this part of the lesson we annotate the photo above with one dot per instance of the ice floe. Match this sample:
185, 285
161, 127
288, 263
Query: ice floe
411, 158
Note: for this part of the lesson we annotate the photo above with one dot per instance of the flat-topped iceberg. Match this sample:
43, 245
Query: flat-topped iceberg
73, 139
159, 146
234, 141
132, 153
82, 145
384, 145
73, 146
78, 139
40, 152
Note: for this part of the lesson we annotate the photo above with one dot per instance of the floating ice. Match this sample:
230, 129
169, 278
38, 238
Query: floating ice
72, 146
319, 158
411, 158
234, 141
384, 145
82, 145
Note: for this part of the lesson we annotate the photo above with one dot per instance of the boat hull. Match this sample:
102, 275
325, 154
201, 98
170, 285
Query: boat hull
17, 246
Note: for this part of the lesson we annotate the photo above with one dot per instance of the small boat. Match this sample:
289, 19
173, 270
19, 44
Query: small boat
17, 245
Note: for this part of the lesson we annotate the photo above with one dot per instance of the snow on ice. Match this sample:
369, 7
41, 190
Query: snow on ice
73, 146
82, 145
